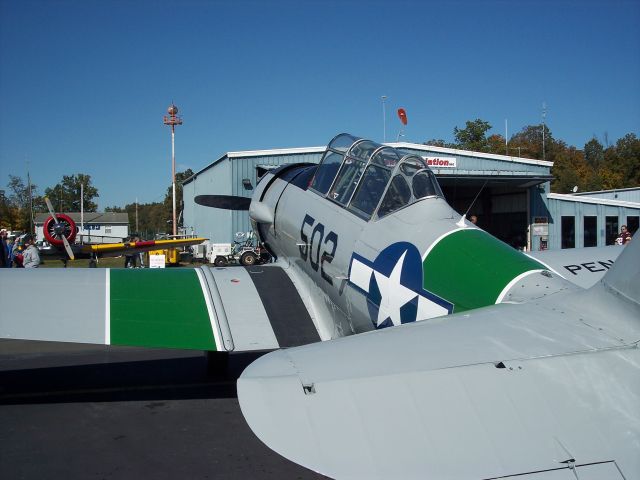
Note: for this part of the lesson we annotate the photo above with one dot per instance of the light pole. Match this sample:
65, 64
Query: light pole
173, 119
519, 150
544, 117
384, 119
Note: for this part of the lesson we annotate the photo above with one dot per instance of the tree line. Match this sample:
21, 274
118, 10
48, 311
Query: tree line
156, 217
20, 199
598, 165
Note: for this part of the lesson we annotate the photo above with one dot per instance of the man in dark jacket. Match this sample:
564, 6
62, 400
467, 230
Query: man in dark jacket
4, 250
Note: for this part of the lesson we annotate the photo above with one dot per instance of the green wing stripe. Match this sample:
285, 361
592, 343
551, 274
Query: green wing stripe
159, 308
470, 268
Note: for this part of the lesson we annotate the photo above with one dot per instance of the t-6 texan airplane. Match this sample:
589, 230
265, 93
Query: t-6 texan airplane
497, 366
60, 231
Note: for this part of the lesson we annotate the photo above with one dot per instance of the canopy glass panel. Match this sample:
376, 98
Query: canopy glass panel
363, 176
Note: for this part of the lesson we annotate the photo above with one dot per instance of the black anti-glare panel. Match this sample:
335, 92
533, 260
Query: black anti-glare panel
287, 173
287, 314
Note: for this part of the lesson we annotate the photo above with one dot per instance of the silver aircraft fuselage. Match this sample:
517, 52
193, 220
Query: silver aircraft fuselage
372, 270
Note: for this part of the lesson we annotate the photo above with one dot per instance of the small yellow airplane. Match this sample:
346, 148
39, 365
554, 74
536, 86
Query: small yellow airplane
60, 232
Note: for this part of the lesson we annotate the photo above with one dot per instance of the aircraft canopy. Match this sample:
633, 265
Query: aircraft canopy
372, 180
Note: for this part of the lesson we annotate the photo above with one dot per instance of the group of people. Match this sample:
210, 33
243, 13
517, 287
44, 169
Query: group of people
624, 237
19, 253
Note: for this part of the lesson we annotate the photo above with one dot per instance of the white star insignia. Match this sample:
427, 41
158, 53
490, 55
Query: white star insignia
394, 294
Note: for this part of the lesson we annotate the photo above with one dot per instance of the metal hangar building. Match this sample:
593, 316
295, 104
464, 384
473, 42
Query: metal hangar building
513, 201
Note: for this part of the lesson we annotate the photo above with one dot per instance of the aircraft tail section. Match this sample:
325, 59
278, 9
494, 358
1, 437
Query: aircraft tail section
624, 277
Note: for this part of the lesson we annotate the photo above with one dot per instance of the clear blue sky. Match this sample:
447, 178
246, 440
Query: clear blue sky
84, 84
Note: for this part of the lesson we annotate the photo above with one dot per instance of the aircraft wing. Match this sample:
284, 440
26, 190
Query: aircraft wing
215, 309
545, 390
582, 266
115, 249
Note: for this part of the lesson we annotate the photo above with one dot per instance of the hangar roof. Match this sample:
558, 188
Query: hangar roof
613, 190
530, 167
595, 200
468, 153
258, 153
622, 194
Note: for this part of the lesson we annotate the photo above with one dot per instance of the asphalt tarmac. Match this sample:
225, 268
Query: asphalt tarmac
91, 412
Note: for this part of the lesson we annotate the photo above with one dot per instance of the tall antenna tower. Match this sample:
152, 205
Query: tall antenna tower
544, 118
173, 119
506, 136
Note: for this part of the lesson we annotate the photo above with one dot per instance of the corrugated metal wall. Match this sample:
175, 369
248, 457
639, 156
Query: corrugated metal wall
578, 210
211, 223
245, 167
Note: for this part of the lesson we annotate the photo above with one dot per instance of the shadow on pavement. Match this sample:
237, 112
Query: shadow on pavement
156, 379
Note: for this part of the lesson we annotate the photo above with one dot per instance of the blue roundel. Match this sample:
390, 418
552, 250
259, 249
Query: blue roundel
410, 277
393, 286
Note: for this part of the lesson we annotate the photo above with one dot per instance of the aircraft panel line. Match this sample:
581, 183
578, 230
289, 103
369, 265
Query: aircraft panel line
215, 328
107, 308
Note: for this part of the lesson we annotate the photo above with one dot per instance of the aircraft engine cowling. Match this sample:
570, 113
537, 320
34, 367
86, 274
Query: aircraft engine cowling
53, 233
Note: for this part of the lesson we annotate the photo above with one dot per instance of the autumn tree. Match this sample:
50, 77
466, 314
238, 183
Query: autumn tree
168, 199
594, 153
496, 144
114, 209
65, 196
5, 211
16, 204
438, 142
154, 218
594, 167
529, 139
473, 136
570, 169
628, 159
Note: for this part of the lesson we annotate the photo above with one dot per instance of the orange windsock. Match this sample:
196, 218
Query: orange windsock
402, 115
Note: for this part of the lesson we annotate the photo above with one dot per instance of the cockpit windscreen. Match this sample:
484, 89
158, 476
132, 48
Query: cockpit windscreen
372, 180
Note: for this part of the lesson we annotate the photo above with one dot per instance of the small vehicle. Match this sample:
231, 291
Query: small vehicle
243, 251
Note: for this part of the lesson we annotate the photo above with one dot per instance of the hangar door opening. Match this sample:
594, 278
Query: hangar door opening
501, 209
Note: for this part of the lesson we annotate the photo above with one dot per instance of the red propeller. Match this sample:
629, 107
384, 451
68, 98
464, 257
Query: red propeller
59, 229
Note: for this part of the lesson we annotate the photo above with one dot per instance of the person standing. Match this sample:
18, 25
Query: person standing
15, 257
4, 250
135, 257
31, 255
624, 235
128, 256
